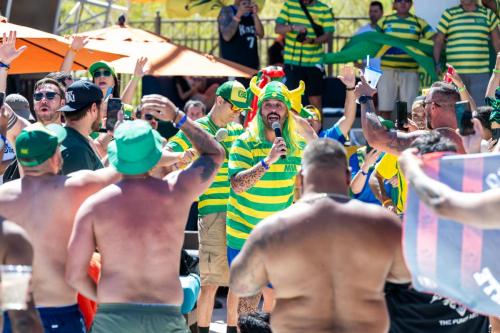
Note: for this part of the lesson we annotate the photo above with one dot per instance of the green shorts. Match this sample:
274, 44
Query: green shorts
138, 318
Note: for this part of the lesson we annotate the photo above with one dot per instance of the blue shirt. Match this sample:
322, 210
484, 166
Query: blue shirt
334, 133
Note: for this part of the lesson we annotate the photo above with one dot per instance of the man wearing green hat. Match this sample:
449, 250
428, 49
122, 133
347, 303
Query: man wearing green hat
231, 99
45, 203
139, 227
262, 171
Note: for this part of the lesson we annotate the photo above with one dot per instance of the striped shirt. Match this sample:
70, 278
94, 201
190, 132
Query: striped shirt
272, 193
214, 200
411, 28
468, 35
297, 53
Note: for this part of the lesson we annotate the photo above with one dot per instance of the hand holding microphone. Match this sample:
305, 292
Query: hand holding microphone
278, 150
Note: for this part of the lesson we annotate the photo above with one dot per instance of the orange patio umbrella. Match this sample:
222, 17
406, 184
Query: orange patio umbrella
45, 52
165, 58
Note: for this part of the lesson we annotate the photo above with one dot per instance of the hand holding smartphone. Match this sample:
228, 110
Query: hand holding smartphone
401, 115
464, 118
114, 106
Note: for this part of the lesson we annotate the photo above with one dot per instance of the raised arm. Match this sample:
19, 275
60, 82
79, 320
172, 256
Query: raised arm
392, 142
358, 182
194, 180
248, 273
139, 71
259, 28
348, 77
494, 79
81, 246
477, 209
8, 53
18, 251
462, 89
77, 43
439, 42
228, 22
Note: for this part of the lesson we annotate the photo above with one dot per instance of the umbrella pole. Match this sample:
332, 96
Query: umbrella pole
8, 9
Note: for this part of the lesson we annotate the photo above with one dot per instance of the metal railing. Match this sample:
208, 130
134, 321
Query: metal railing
203, 34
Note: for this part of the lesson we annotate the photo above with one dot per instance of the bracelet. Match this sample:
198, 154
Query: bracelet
181, 122
4, 65
264, 164
73, 50
462, 89
496, 71
386, 202
363, 173
350, 89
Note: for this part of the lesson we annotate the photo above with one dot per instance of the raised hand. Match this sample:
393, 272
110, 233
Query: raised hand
454, 77
159, 106
348, 76
364, 89
139, 70
78, 42
472, 143
8, 50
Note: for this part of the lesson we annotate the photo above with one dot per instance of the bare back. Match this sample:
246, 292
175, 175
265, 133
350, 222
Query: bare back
328, 262
139, 230
45, 207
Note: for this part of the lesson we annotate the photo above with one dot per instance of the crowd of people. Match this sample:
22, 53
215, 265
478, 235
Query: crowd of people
284, 212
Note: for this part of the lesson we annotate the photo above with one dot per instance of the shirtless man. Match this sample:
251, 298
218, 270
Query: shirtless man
45, 205
138, 226
322, 282
15, 249
439, 107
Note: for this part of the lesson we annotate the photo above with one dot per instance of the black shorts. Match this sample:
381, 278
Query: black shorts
313, 77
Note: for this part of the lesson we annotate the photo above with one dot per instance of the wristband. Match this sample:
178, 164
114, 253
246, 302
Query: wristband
4, 65
496, 71
264, 164
176, 114
181, 122
363, 173
350, 89
73, 50
386, 202
462, 89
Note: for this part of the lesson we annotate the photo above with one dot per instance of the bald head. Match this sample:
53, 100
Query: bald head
324, 153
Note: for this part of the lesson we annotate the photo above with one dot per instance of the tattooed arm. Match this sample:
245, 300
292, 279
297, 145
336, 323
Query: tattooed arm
244, 180
198, 177
228, 22
392, 142
248, 273
477, 209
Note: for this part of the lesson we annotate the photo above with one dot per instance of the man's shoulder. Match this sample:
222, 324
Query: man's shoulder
235, 127
454, 10
321, 5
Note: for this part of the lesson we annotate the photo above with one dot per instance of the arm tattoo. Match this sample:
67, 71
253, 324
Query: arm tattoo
227, 25
244, 180
207, 166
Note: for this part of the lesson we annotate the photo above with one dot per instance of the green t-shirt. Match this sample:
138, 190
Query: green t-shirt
214, 200
411, 28
297, 53
272, 193
468, 36
77, 153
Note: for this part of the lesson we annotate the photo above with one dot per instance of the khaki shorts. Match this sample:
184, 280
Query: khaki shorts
396, 86
214, 269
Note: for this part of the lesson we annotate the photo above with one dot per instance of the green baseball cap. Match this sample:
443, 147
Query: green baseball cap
101, 64
235, 93
275, 90
137, 148
37, 143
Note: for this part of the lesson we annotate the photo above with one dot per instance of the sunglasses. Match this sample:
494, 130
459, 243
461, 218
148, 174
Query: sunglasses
50, 95
400, 1
149, 117
105, 73
233, 107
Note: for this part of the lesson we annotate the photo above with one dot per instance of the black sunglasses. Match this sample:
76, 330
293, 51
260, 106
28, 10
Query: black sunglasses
149, 117
49, 95
105, 73
407, 1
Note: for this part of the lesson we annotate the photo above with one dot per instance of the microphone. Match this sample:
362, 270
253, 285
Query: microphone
221, 134
277, 131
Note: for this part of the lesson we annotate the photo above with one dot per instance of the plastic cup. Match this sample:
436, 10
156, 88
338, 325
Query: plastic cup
15, 286
372, 75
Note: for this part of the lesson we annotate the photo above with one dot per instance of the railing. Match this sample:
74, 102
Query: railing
203, 34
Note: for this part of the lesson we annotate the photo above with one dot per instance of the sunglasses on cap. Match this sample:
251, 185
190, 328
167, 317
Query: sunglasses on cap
105, 73
49, 95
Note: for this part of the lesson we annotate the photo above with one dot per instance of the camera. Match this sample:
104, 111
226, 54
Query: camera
301, 37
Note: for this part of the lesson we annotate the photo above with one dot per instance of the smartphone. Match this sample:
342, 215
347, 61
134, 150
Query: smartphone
114, 105
496, 133
2, 98
449, 73
464, 118
108, 92
401, 115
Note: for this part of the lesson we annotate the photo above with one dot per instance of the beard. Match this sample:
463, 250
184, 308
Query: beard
96, 125
48, 117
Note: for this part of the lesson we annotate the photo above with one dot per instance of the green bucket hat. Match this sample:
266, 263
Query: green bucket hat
275, 90
101, 64
37, 143
235, 93
137, 148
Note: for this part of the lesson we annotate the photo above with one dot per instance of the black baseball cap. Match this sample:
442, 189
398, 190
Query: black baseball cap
81, 94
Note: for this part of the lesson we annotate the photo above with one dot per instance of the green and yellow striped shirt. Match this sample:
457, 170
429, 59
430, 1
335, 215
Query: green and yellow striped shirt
468, 35
214, 200
411, 28
297, 53
271, 194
